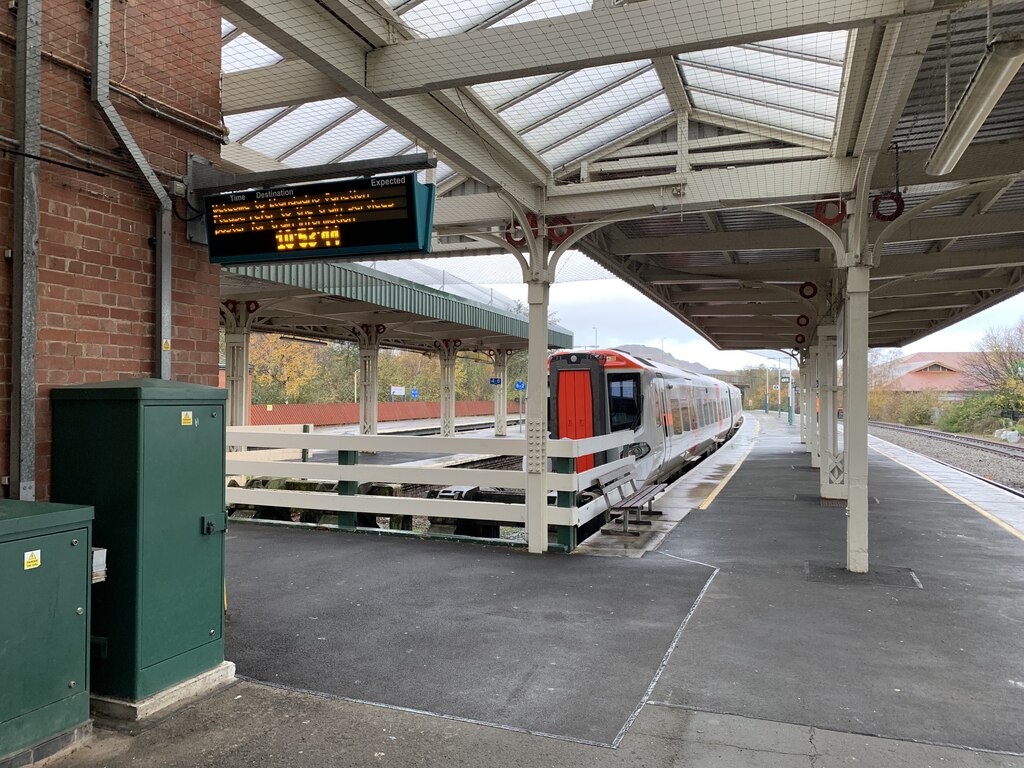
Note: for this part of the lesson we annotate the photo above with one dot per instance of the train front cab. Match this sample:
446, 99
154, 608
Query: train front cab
585, 399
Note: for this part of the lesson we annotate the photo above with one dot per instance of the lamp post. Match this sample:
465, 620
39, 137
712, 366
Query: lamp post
778, 363
790, 395
766, 388
595, 335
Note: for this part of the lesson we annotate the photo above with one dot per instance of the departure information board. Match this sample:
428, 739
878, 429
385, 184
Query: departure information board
350, 219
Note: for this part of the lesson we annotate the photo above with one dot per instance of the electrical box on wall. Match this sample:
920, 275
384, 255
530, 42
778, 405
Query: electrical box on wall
148, 454
45, 573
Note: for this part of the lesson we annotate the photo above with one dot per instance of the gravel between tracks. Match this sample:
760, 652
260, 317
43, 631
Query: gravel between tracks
1002, 469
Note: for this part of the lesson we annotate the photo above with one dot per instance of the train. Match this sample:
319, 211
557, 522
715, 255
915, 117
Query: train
676, 416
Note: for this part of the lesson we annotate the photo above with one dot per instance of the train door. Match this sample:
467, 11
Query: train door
665, 418
576, 410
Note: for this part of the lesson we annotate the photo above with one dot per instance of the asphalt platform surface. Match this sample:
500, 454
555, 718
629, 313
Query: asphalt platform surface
563, 646
785, 635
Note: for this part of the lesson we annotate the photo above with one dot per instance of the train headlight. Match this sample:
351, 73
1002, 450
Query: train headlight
638, 450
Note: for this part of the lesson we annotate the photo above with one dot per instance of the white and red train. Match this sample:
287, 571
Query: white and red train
676, 416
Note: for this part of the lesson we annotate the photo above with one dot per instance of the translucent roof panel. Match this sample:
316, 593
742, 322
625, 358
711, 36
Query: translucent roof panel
245, 52
435, 18
595, 110
789, 99
545, 9
767, 66
503, 91
827, 46
226, 27
791, 83
566, 92
246, 122
390, 143
339, 140
766, 116
607, 131
298, 125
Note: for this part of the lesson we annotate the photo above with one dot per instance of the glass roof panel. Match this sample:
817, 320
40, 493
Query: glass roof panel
767, 116
503, 91
825, 45
607, 131
767, 94
566, 92
595, 110
226, 27
298, 125
241, 124
767, 66
545, 9
358, 128
245, 52
435, 18
391, 143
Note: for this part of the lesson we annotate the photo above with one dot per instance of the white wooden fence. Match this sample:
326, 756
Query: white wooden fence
282, 461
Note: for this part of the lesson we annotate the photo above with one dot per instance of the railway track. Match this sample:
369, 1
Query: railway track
1001, 449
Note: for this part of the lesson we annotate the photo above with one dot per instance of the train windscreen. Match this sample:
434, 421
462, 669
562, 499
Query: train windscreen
624, 403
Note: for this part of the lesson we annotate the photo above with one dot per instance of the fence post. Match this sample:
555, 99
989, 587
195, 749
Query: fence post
567, 534
347, 488
306, 429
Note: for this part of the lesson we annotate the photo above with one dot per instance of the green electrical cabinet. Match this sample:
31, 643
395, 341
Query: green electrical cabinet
148, 454
45, 573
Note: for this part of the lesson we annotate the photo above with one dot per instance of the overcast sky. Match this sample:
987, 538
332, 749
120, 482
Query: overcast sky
621, 315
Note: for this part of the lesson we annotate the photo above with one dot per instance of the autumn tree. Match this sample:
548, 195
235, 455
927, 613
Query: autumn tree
283, 371
997, 364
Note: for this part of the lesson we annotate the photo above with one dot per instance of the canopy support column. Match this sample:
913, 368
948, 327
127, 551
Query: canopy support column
448, 351
501, 393
368, 337
855, 417
238, 318
537, 418
831, 474
802, 399
813, 385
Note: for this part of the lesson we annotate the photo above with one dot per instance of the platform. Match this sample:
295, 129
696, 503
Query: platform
739, 641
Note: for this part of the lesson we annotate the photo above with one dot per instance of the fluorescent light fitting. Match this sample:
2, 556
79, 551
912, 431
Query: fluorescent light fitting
1001, 62
300, 340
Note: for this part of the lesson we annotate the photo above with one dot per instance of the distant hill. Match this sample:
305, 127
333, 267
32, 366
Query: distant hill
656, 355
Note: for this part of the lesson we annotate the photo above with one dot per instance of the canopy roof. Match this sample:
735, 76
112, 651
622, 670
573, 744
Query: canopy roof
668, 133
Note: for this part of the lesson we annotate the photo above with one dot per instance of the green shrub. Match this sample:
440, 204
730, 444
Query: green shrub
917, 408
979, 414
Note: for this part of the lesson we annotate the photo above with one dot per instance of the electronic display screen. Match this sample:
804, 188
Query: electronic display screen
352, 219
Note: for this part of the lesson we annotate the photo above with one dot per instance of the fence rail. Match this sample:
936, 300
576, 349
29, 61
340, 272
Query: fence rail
277, 455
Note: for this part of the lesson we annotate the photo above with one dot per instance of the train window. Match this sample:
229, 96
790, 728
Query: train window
624, 401
676, 404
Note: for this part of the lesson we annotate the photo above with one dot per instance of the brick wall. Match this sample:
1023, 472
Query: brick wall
97, 310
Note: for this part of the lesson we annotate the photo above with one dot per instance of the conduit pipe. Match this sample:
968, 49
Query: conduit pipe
162, 225
25, 267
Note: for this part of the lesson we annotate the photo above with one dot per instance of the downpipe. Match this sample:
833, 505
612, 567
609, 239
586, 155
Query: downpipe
100, 89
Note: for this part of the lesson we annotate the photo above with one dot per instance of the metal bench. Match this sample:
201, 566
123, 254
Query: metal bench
631, 499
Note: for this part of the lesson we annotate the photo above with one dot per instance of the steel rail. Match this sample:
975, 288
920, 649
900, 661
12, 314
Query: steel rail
1013, 451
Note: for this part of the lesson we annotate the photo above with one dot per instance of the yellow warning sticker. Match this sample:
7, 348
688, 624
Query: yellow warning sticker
33, 559
186, 418
166, 345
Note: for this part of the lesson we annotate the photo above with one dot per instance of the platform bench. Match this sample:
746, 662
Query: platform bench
631, 498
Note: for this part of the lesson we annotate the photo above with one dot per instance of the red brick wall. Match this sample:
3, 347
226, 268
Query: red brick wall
329, 414
97, 310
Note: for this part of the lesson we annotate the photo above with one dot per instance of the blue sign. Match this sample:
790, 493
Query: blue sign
520, 385
414, 393
495, 381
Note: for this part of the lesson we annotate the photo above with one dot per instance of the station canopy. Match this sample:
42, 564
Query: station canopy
695, 148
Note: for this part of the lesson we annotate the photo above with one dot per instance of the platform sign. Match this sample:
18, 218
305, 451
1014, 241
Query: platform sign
520, 385
495, 380
397, 391
785, 379
414, 393
349, 219
775, 387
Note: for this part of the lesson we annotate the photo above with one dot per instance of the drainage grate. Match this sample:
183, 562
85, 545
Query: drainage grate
877, 576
